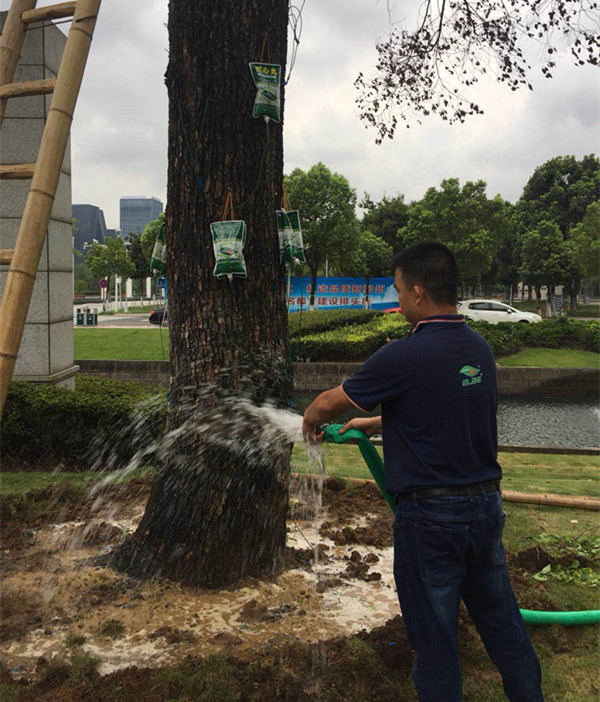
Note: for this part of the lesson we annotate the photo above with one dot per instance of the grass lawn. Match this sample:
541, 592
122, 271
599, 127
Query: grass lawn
145, 345
582, 311
568, 655
121, 344
553, 358
19, 483
524, 472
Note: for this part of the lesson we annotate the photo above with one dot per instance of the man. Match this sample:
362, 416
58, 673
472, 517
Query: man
438, 395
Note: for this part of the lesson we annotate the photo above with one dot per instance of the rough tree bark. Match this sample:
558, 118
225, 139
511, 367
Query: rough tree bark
216, 517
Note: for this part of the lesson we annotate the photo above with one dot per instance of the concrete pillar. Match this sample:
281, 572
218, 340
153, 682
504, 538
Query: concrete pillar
46, 353
148, 288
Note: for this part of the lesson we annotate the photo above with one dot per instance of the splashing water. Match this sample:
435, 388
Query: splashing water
260, 434
212, 418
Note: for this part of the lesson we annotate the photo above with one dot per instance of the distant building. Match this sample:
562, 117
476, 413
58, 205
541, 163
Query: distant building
90, 225
136, 212
113, 233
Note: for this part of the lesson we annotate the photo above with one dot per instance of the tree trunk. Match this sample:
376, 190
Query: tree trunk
529, 293
214, 515
574, 292
313, 286
538, 299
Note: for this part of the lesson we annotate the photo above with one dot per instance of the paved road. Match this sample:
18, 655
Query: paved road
126, 321
135, 321
120, 320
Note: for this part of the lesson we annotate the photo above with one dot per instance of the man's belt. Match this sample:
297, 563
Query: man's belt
455, 491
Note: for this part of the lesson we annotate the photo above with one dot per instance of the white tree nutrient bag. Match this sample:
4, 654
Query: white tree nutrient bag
158, 264
291, 248
229, 238
267, 79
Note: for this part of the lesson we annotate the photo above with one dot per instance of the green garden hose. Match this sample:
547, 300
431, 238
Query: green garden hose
375, 465
591, 616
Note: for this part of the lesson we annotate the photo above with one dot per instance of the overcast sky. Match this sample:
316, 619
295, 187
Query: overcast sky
119, 139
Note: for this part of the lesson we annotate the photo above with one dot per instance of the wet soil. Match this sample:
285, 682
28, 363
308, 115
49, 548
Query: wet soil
326, 628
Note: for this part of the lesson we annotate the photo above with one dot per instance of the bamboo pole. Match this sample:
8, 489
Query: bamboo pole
27, 88
11, 44
50, 12
5, 256
17, 171
34, 224
532, 498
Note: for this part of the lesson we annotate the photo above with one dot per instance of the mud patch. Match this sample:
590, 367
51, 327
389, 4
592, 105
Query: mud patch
535, 558
326, 628
61, 595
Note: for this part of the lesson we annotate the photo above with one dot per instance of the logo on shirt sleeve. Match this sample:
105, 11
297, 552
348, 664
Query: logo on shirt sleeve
474, 375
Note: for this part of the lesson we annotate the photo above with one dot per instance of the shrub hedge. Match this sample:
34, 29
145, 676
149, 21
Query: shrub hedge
56, 425
43, 423
316, 321
355, 342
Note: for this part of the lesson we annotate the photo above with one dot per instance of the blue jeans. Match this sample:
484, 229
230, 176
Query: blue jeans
445, 549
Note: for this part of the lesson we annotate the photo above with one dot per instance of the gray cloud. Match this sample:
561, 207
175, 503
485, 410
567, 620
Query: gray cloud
119, 141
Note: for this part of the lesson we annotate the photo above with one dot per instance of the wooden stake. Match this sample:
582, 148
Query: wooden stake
34, 224
11, 45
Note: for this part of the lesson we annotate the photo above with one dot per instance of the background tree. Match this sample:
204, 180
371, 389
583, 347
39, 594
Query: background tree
506, 263
584, 245
373, 257
109, 260
217, 512
85, 280
464, 219
330, 229
386, 218
430, 70
545, 260
560, 191
148, 236
140, 262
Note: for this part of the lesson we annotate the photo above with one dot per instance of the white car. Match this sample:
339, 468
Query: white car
493, 312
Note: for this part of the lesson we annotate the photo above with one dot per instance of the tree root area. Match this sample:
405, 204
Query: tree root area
326, 626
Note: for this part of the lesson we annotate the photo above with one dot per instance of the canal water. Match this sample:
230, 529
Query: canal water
546, 422
528, 421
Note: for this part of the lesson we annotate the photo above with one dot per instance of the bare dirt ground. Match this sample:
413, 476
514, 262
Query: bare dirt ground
74, 629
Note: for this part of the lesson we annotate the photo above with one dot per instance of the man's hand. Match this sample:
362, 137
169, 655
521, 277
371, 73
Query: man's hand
327, 406
370, 425
311, 433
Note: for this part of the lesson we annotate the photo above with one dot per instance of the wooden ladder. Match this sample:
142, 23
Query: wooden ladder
24, 259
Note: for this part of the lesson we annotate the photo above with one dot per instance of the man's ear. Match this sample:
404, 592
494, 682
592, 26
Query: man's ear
419, 293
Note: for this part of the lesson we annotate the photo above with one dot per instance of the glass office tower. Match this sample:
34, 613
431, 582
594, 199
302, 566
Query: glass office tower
136, 212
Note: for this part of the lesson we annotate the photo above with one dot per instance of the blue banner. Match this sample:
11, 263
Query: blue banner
343, 294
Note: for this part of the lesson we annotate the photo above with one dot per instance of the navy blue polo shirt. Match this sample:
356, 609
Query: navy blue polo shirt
438, 396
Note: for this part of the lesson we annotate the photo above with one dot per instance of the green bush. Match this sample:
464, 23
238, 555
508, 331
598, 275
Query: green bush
59, 425
316, 321
356, 342
353, 342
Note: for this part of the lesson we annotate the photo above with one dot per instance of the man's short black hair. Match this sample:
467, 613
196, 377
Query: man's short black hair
433, 266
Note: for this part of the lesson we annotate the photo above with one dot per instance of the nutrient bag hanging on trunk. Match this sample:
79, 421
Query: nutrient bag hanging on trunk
267, 79
229, 237
228, 242
158, 263
291, 248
